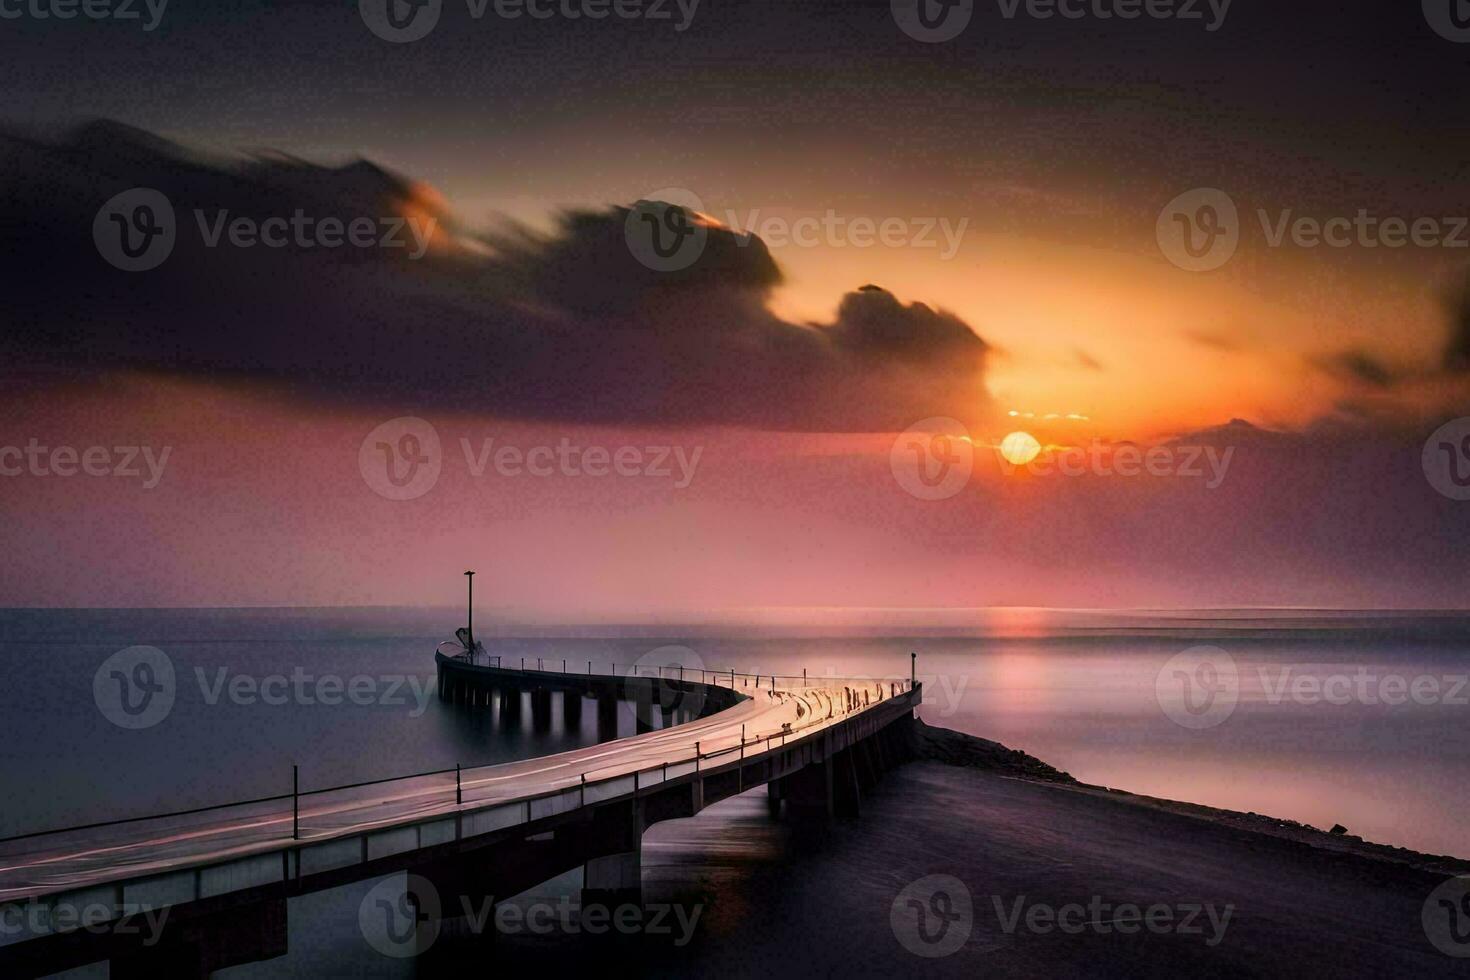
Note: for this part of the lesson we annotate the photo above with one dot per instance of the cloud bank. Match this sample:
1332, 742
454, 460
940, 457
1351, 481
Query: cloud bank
567, 325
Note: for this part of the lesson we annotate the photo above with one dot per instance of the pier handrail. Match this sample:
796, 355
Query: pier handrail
710, 677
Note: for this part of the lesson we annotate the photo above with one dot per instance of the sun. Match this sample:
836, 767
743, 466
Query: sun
1019, 448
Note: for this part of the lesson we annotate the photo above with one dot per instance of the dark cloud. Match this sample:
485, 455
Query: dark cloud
1358, 367
565, 325
1214, 341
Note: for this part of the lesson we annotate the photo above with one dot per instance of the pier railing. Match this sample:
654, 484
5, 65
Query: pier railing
339, 809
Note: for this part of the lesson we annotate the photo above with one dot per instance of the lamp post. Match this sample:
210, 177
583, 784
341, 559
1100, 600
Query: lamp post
470, 579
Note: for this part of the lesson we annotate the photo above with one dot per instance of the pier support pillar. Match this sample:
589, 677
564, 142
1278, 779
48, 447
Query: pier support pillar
643, 708
616, 877
613, 880
808, 794
571, 711
541, 709
510, 707
607, 717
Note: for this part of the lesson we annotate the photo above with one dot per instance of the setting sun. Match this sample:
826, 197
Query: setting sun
1019, 448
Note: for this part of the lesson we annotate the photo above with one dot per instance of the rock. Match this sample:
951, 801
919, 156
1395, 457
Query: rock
1338, 828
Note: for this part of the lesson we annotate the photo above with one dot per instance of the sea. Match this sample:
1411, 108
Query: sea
1358, 718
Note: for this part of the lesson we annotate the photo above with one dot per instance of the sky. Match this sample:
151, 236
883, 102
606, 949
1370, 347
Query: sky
907, 251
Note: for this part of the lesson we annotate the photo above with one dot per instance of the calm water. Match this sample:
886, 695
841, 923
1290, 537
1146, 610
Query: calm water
1316, 732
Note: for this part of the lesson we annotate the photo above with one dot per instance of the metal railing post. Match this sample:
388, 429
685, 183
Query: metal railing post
584, 790
458, 794
696, 757
742, 741
295, 802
